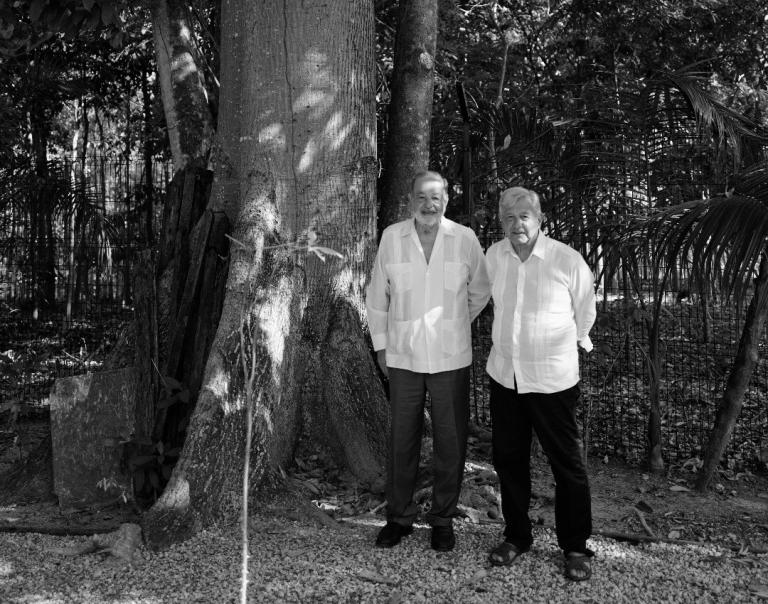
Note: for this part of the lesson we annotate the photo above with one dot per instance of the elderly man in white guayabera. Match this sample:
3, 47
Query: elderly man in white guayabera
544, 306
429, 282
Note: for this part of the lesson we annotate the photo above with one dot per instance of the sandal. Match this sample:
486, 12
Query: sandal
504, 554
578, 566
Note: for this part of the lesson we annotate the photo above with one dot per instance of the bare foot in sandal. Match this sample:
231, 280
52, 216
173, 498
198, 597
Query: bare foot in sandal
578, 566
504, 554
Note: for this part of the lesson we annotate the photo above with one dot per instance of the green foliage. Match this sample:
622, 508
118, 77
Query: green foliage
598, 96
25, 24
58, 91
723, 238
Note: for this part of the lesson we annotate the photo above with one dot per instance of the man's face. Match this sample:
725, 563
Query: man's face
521, 222
428, 201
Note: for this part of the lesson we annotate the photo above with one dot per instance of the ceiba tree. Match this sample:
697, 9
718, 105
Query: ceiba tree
295, 174
294, 179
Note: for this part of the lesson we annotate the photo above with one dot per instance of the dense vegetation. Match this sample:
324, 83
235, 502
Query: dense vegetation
641, 124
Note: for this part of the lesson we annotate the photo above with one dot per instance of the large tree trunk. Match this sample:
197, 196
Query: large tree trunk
295, 159
182, 85
77, 171
738, 380
410, 108
41, 220
79, 236
178, 308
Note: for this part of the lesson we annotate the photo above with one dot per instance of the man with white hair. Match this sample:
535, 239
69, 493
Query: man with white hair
544, 307
429, 282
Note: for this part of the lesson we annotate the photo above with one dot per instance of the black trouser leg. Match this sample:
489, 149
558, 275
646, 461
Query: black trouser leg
511, 457
554, 419
449, 392
406, 392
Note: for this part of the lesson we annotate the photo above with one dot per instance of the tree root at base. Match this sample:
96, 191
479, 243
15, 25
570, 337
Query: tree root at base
311, 511
59, 530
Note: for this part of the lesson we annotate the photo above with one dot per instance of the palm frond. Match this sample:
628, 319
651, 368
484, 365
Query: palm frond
753, 182
722, 238
727, 124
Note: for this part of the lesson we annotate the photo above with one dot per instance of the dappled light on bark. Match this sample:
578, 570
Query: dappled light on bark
185, 98
183, 67
218, 385
294, 179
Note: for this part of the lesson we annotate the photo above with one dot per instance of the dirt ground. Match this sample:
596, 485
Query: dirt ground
625, 500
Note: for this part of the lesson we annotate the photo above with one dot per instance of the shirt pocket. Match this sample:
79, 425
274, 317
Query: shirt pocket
400, 338
400, 277
457, 338
400, 290
456, 275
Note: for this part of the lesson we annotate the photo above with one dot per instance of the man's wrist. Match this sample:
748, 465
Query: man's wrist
586, 344
379, 341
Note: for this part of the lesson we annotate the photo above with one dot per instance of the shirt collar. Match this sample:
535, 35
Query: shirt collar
539, 248
446, 226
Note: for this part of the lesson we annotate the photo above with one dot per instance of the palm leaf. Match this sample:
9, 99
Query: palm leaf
725, 123
722, 238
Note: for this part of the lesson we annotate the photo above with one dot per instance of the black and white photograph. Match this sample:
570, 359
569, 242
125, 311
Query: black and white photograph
383, 301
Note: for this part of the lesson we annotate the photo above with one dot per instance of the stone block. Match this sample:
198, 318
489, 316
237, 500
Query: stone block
90, 415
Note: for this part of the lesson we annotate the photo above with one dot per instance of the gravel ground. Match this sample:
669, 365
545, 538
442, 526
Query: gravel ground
296, 561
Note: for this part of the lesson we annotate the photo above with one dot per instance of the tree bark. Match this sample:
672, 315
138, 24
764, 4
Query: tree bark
738, 380
79, 144
41, 245
655, 364
148, 200
655, 457
410, 108
295, 161
146, 357
79, 239
182, 85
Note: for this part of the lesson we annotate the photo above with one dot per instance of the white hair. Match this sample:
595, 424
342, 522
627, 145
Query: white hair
511, 196
429, 175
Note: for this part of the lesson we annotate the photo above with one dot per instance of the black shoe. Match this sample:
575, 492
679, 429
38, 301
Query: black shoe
391, 534
443, 539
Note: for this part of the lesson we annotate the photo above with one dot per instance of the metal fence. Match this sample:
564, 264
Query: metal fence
67, 247
699, 336
698, 341
67, 244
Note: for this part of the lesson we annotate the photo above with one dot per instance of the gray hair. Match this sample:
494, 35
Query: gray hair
511, 196
429, 175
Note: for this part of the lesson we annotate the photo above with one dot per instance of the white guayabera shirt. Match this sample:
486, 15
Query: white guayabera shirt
419, 313
542, 308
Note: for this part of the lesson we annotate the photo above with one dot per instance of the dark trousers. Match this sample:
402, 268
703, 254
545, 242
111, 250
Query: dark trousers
514, 416
449, 392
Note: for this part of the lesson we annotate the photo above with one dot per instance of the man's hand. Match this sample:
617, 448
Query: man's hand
381, 358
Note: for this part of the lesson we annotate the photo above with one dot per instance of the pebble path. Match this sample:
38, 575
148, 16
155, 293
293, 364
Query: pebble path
296, 561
